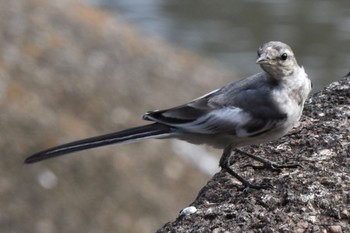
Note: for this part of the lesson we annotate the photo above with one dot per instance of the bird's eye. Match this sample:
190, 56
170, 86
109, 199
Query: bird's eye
259, 53
284, 57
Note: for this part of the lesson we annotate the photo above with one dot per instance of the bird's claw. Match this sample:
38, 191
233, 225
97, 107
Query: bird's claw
272, 166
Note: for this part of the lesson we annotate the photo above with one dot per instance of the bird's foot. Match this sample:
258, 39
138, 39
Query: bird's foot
267, 164
225, 165
246, 185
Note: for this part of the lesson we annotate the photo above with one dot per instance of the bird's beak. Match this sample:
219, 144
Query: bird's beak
262, 59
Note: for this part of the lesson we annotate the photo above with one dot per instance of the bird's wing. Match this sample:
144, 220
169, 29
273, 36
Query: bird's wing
245, 111
183, 114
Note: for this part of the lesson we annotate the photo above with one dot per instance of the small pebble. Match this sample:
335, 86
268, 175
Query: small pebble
335, 229
344, 214
312, 219
188, 210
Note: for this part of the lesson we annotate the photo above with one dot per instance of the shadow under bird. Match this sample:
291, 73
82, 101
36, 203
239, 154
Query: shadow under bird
255, 110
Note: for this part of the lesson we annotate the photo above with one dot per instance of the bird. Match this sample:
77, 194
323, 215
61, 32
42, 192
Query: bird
255, 110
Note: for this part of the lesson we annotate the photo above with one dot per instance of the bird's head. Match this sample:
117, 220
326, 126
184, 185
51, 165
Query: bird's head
277, 59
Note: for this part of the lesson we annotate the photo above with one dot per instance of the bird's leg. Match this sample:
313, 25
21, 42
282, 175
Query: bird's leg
267, 164
225, 165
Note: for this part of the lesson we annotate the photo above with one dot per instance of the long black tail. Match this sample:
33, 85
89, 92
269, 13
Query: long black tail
154, 130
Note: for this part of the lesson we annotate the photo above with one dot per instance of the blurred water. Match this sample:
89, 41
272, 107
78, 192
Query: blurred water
231, 31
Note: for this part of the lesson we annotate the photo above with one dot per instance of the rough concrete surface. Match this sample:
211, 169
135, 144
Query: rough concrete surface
312, 198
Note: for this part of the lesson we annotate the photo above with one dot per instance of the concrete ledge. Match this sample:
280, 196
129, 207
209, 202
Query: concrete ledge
314, 198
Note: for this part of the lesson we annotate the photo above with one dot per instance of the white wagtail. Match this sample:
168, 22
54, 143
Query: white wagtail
255, 110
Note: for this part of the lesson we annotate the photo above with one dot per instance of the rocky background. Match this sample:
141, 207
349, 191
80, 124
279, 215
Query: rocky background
68, 71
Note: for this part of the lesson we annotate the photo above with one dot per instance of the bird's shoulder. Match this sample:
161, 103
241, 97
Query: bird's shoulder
246, 93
